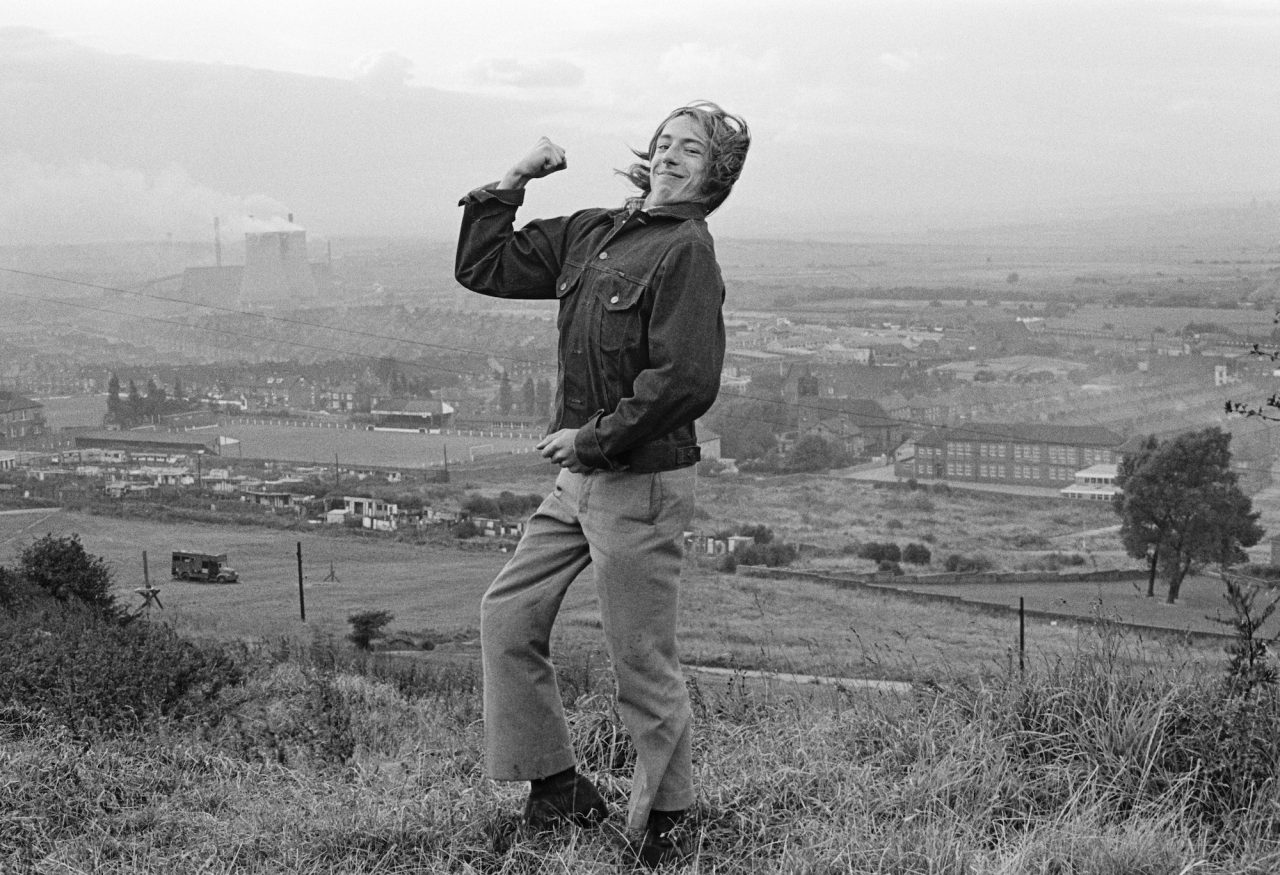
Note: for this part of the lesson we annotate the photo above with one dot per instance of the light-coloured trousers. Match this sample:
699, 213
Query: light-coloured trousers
630, 527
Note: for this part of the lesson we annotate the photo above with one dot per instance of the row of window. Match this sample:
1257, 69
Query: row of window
1056, 454
1002, 471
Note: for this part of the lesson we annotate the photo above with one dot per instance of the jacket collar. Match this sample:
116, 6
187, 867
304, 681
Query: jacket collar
683, 210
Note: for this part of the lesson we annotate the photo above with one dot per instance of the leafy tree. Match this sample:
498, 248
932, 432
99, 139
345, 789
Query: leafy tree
64, 569
367, 625
113, 397
135, 402
916, 554
544, 395
1142, 523
811, 453
529, 397
1182, 505
504, 394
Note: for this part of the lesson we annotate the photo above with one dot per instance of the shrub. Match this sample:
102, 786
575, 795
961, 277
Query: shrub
967, 564
62, 568
729, 563
466, 529
480, 505
1026, 539
916, 554
757, 532
367, 625
91, 672
511, 505
771, 555
878, 552
887, 567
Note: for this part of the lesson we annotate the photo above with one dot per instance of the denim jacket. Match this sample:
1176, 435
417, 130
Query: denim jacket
641, 329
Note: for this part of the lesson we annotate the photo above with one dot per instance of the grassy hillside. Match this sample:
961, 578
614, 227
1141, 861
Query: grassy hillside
269, 745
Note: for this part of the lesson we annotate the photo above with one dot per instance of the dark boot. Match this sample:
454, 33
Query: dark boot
668, 840
566, 797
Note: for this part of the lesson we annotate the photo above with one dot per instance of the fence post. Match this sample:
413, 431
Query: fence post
302, 599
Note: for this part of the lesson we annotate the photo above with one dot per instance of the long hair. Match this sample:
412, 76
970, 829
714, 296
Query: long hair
728, 139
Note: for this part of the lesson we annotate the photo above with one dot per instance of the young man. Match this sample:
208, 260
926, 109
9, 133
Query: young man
640, 352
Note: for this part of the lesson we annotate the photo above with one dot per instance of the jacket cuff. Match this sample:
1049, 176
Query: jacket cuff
586, 444
512, 197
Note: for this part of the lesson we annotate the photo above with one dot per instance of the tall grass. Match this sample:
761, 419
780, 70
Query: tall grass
327, 760
313, 756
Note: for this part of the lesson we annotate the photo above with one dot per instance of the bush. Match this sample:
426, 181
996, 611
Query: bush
916, 554
771, 555
367, 625
967, 564
92, 672
511, 505
62, 568
878, 552
482, 506
887, 567
466, 529
757, 532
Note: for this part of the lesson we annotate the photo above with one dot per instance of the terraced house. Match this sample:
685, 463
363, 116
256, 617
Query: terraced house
1033, 454
21, 419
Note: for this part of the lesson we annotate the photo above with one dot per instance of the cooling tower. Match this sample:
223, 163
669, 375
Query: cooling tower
276, 270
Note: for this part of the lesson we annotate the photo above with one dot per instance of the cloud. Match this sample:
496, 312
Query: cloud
538, 73
385, 71
695, 60
907, 60
93, 201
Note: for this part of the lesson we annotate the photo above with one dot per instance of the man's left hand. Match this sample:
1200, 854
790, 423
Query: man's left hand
558, 447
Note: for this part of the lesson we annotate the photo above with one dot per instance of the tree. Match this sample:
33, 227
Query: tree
504, 394
367, 625
1182, 505
113, 397
544, 397
135, 403
529, 397
1141, 522
811, 453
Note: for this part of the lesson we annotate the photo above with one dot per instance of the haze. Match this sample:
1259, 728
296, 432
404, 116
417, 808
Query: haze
144, 121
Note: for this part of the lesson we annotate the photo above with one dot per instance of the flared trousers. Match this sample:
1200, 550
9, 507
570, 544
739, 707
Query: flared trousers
630, 528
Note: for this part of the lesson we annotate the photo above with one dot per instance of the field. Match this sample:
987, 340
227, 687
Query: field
322, 446
784, 625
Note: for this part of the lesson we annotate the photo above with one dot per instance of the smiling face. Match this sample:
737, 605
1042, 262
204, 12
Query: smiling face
678, 163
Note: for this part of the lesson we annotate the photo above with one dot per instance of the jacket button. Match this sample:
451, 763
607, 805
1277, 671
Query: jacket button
564, 285
603, 256
613, 300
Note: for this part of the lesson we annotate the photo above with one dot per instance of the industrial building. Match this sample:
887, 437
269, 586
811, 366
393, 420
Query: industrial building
276, 272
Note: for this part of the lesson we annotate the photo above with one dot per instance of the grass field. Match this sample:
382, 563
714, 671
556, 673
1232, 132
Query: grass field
787, 625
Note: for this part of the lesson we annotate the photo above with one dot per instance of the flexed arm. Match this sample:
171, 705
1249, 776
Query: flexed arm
542, 160
495, 259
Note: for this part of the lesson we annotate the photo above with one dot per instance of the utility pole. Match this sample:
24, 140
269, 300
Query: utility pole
302, 598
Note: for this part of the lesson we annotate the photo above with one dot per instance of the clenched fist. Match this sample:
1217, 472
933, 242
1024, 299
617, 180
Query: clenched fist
542, 160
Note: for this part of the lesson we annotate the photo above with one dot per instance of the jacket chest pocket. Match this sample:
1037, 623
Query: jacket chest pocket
618, 301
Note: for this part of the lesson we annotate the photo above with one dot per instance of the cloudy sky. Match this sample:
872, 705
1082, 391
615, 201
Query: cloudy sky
133, 119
